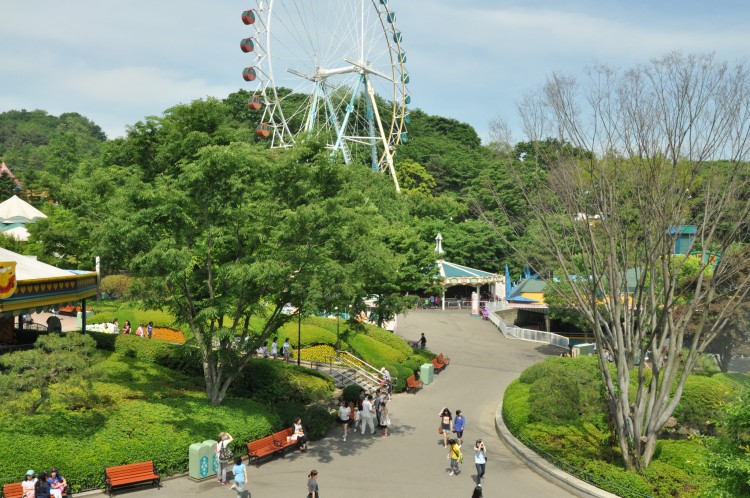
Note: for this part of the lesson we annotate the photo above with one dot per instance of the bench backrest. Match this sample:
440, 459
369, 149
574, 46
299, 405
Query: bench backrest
411, 380
285, 433
131, 468
440, 358
260, 443
12, 490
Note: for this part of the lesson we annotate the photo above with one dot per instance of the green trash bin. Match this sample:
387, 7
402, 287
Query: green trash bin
202, 462
426, 373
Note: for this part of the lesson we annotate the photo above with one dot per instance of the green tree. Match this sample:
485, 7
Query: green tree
240, 231
53, 359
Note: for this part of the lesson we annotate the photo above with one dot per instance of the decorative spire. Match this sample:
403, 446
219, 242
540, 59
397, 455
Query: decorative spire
439, 244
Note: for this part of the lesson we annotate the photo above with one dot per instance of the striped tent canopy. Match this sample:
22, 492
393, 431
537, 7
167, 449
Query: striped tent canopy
455, 274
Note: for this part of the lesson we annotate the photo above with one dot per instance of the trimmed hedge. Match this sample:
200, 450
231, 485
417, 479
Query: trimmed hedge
145, 418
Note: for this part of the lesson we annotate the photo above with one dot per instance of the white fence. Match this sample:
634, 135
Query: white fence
526, 334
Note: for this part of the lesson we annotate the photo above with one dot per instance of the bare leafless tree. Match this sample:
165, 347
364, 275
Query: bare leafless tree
670, 143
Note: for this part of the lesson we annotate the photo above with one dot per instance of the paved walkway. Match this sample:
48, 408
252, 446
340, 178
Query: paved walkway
411, 462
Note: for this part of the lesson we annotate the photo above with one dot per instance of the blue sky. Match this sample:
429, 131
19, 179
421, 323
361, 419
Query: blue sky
472, 60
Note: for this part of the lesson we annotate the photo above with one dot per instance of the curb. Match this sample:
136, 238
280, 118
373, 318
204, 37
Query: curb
542, 467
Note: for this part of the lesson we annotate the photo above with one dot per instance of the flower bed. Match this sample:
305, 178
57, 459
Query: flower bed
171, 335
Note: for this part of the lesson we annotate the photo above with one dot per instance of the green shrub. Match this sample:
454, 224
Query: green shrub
566, 390
351, 393
374, 352
136, 431
103, 340
702, 400
148, 350
273, 382
311, 334
516, 406
317, 421
616, 479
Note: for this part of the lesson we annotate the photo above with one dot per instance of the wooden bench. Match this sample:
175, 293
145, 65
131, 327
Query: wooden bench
443, 359
132, 474
438, 366
70, 310
260, 448
281, 439
413, 383
15, 490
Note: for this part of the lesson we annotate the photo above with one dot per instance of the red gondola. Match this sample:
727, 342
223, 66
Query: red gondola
253, 103
248, 17
248, 74
247, 45
263, 130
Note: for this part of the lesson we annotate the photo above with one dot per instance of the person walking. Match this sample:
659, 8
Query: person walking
275, 348
367, 415
446, 424
480, 460
455, 456
312, 484
422, 341
126, 327
286, 350
224, 455
344, 414
240, 477
458, 426
150, 329
385, 418
139, 331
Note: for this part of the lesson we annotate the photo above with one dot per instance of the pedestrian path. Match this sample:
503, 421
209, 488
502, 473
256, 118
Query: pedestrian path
411, 462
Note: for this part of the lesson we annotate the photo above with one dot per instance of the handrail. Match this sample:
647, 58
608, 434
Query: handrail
347, 354
527, 334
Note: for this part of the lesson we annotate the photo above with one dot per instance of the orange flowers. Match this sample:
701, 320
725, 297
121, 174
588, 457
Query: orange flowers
170, 335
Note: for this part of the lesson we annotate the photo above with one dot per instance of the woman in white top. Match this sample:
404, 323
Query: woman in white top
275, 348
224, 439
344, 417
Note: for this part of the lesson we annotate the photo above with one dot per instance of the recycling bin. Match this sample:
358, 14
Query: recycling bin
202, 460
426, 373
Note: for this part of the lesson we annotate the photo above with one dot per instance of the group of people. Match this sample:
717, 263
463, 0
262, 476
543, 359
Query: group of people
369, 411
286, 350
457, 425
140, 331
45, 485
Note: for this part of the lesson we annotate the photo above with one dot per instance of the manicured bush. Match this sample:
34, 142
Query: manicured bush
565, 390
516, 406
702, 400
351, 393
317, 422
81, 444
103, 340
311, 334
148, 350
274, 381
374, 352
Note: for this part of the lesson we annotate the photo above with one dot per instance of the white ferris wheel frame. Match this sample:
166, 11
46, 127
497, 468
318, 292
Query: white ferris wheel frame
386, 130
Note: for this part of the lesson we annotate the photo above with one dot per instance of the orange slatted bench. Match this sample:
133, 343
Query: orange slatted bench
443, 359
438, 366
261, 448
15, 490
132, 474
281, 438
413, 383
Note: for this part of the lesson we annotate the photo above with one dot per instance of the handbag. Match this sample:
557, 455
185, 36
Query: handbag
440, 429
225, 453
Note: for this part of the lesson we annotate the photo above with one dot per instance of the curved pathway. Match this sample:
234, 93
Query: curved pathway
411, 462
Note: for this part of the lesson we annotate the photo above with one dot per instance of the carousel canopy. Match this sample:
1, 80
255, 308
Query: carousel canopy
27, 284
16, 210
455, 274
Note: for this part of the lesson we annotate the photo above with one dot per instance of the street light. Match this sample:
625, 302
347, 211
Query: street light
338, 330
299, 334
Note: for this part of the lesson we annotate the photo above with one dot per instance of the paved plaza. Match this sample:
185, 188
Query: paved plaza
411, 462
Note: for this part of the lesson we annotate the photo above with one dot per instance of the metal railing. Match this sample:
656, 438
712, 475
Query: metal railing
526, 334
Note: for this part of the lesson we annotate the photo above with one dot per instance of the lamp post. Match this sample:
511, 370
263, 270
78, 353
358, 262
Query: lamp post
338, 329
299, 334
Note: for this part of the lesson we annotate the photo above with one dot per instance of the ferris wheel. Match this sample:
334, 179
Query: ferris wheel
333, 70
